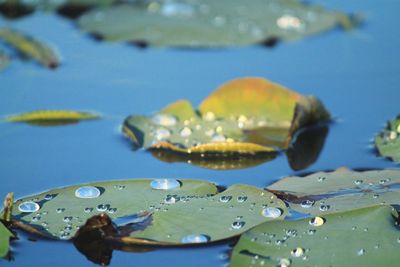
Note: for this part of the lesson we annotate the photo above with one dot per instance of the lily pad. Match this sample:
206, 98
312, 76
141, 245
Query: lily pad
5, 236
388, 141
250, 117
207, 23
155, 212
363, 237
341, 190
52, 117
30, 47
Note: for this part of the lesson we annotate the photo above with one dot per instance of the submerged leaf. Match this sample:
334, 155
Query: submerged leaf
207, 23
363, 237
30, 47
341, 190
150, 212
5, 236
244, 118
388, 141
52, 117
4, 60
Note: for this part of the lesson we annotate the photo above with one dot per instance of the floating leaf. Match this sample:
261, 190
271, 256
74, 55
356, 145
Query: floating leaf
388, 141
4, 60
341, 190
5, 236
30, 47
363, 237
248, 117
52, 117
207, 23
150, 212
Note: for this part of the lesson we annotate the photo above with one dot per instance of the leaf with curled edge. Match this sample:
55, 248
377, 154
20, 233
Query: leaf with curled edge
340, 190
248, 117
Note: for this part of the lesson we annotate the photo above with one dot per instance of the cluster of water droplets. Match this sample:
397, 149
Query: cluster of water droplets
391, 135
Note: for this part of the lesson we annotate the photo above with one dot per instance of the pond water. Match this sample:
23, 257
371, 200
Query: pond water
355, 74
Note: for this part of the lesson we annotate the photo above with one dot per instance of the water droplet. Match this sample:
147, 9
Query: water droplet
307, 204
195, 239
88, 210
67, 219
210, 132
28, 206
317, 221
321, 179
375, 196
324, 207
311, 231
238, 224
165, 184
119, 187
164, 120
392, 135
358, 182
271, 212
241, 199
354, 228
209, 116
170, 200
297, 252
219, 21
289, 22
176, 9
103, 207
218, 138
87, 192
112, 210
36, 218
361, 252
284, 262
48, 197
60, 210
291, 232
185, 132
162, 133
225, 199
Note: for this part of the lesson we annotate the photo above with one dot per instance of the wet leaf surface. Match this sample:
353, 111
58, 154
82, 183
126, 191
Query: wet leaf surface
388, 142
5, 236
245, 119
52, 117
363, 237
30, 47
206, 23
341, 190
148, 212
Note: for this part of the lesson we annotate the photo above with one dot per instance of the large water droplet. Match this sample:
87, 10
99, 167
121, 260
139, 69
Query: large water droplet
195, 239
317, 221
28, 206
87, 192
284, 262
289, 22
238, 224
164, 120
297, 252
225, 199
162, 133
48, 197
307, 204
218, 138
170, 200
271, 212
361, 252
165, 184
185, 132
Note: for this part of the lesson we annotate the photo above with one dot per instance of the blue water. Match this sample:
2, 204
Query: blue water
355, 74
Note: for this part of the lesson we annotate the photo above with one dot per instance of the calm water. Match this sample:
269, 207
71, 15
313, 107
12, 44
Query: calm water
355, 74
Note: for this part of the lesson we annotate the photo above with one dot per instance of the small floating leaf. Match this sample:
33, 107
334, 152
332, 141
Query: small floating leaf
152, 212
363, 237
52, 117
248, 117
5, 236
30, 47
341, 190
388, 141
209, 23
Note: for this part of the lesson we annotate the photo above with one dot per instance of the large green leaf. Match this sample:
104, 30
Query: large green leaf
30, 47
363, 237
341, 190
144, 214
5, 236
388, 142
208, 23
259, 118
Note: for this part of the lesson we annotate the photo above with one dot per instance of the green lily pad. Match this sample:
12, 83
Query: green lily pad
52, 117
207, 23
5, 236
363, 237
248, 117
388, 142
146, 212
341, 190
30, 47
